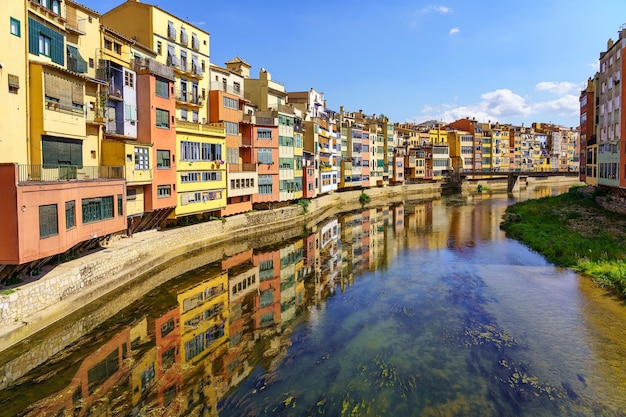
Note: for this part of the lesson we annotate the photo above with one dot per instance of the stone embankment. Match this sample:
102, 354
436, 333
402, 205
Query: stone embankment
73, 285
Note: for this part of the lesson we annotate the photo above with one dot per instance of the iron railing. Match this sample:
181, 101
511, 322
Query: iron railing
60, 173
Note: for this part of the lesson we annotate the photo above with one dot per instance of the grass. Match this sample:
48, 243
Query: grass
572, 231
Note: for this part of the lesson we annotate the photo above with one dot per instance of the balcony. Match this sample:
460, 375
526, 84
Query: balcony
43, 173
74, 24
64, 108
188, 98
154, 67
230, 89
185, 68
50, 13
241, 168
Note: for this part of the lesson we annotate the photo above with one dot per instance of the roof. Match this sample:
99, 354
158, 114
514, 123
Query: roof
238, 60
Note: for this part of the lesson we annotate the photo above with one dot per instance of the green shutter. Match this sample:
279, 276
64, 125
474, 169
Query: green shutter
33, 36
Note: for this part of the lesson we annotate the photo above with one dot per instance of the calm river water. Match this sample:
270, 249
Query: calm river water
405, 310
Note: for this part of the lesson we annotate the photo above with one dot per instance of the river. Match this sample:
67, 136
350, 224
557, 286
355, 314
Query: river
425, 309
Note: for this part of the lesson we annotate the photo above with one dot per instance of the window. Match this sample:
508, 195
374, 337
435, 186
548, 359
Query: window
236, 87
129, 79
57, 151
159, 47
162, 88
164, 191
231, 128
195, 43
131, 194
56, 6
163, 159
48, 223
231, 103
117, 48
264, 133
183, 114
44, 45
130, 112
15, 27
91, 62
265, 155
95, 209
70, 214
162, 119
141, 158
14, 83
120, 205
108, 44
184, 39
171, 32
265, 184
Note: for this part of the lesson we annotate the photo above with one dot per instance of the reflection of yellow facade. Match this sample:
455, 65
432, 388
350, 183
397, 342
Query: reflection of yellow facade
203, 317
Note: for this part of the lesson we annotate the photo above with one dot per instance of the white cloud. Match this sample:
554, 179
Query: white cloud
505, 106
454, 31
594, 65
438, 9
558, 88
566, 105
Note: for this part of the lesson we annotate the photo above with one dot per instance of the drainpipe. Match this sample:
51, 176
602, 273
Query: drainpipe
27, 82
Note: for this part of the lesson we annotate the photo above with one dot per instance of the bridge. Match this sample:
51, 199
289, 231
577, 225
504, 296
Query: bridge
453, 181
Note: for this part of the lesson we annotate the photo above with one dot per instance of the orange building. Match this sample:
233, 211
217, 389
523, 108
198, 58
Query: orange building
263, 133
155, 92
226, 105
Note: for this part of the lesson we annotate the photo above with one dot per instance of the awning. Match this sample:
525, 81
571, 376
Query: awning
75, 62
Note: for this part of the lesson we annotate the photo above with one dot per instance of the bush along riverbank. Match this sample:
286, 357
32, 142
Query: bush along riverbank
573, 231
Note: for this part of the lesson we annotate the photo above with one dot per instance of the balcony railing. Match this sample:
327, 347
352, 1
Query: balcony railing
189, 98
231, 89
61, 173
156, 68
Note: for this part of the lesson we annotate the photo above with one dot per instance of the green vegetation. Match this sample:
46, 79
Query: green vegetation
7, 292
364, 199
304, 203
573, 231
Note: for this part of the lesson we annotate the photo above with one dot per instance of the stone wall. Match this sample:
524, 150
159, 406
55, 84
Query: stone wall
613, 203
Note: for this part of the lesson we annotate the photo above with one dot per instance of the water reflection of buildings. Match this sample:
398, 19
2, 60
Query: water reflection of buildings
195, 338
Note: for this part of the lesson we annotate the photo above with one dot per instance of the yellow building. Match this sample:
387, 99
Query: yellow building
60, 194
13, 100
201, 148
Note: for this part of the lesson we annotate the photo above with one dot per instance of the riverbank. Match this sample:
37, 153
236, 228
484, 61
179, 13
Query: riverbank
576, 231
70, 286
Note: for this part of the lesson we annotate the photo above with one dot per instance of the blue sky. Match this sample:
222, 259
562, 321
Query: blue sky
510, 61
